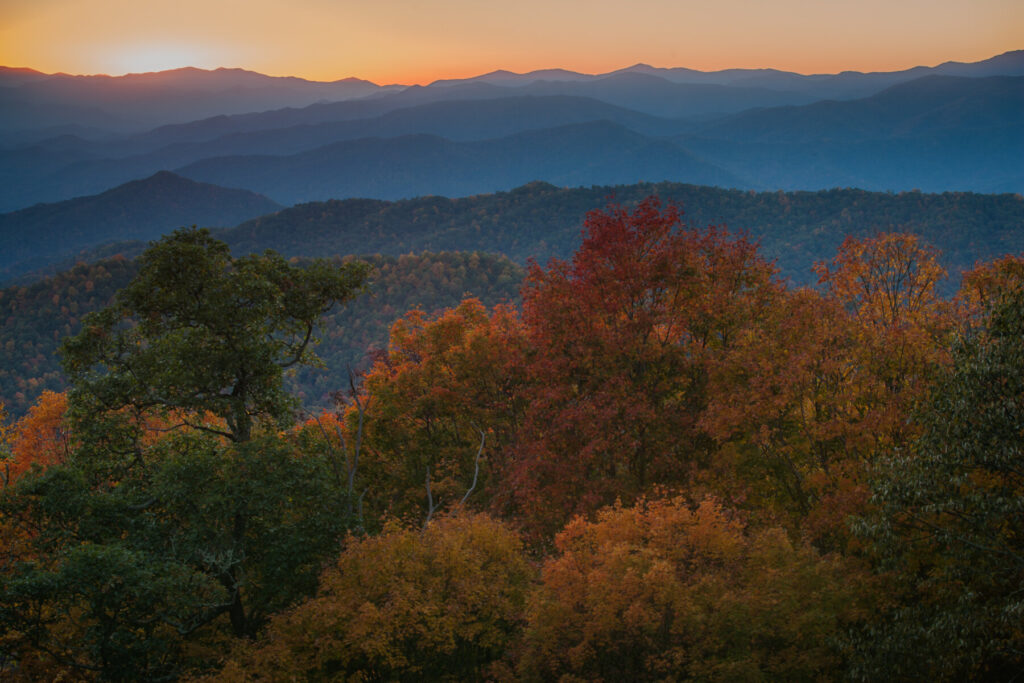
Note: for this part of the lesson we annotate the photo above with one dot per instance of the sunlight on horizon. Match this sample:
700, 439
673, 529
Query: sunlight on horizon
403, 42
145, 58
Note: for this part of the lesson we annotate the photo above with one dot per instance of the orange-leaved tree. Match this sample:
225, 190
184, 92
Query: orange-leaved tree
443, 402
890, 284
444, 603
988, 284
787, 405
666, 590
42, 437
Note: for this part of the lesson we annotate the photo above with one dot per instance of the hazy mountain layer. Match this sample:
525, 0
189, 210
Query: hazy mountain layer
936, 133
390, 168
142, 210
31, 101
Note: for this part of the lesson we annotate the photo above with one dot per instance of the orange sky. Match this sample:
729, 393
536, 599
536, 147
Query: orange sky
415, 41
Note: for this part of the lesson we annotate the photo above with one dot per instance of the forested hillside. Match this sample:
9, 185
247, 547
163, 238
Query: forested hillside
664, 462
539, 221
37, 317
542, 221
140, 210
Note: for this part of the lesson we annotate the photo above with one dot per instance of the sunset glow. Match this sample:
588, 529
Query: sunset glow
401, 41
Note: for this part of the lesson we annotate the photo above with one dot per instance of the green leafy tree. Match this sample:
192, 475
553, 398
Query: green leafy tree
182, 510
200, 333
950, 521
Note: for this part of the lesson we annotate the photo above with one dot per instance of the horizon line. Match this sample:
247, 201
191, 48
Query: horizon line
192, 67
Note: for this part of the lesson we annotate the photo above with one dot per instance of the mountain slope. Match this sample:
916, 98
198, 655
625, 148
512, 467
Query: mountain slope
142, 210
581, 154
135, 102
541, 221
69, 166
921, 106
39, 315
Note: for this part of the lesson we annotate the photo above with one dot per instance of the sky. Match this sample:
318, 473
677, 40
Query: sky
418, 41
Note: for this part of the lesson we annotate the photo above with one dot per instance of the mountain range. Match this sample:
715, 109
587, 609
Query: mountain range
950, 127
535, 221
276, 142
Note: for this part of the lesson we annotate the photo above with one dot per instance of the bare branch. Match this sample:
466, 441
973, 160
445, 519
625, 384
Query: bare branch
476, 465
430, 501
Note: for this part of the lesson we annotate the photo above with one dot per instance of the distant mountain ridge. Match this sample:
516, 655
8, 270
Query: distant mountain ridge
30, 100
590, 153
1007, 64
745, 128
540, 221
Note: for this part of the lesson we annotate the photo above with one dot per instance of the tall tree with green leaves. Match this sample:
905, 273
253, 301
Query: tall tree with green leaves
183, 511
951, 519
199, 333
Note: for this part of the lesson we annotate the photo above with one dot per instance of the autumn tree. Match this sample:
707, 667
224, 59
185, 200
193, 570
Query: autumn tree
622, 336
787, 408
42, 437
444, 603
447, 387
890, 284
666, 590
987, 284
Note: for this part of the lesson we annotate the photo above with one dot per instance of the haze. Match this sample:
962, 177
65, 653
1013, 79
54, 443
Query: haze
404, 41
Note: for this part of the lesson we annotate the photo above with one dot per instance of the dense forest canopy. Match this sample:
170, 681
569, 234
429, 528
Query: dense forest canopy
540, 221
38, 315
663, 461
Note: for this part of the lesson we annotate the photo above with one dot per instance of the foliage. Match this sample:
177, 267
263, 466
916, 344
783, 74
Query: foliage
208, 530
889, 283
200, 333
354, 335
439, 604
669, 591
950, 517
446, 384
42, 437
623, 337
177, 509
989, 283
35, 319
38, 316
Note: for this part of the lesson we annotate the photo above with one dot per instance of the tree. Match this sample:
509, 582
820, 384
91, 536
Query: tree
950, 518
987, 283
665, 590
444, 381
41, 437
179, 489
198, 333
622, 340
445, 603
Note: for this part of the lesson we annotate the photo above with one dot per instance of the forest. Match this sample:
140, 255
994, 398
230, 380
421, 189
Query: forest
662, 460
